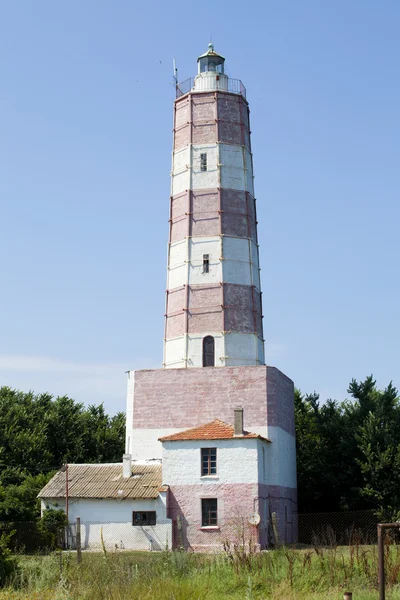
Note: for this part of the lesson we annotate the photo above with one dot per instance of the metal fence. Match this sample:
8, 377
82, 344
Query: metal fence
302, 530
235, 86
337, 528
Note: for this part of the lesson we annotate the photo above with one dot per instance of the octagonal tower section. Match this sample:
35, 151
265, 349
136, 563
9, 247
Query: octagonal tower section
213, 299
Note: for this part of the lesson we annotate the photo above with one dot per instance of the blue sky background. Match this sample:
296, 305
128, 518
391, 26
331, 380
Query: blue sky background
85, 153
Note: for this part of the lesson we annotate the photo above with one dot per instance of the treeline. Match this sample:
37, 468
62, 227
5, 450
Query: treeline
348, 453
38, 434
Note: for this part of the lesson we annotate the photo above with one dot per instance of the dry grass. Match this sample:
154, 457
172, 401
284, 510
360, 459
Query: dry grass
308, 574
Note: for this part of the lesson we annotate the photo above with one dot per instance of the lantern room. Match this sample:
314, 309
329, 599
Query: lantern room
211, 61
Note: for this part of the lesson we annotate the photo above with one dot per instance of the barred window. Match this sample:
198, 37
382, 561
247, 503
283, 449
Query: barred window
209, 512
203, 162
139, 519
206, 263
208, 461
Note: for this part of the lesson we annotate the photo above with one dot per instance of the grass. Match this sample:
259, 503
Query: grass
309, 574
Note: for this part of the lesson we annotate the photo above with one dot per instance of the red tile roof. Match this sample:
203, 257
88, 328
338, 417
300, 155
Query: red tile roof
216, 430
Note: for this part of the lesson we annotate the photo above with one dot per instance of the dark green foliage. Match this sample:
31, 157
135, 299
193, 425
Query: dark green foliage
53, 523
38, 434
8, 563
348, 453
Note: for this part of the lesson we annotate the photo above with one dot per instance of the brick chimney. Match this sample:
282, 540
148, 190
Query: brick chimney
238, 420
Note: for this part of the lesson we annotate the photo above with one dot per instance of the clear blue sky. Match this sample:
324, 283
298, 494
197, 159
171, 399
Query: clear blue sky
85, 153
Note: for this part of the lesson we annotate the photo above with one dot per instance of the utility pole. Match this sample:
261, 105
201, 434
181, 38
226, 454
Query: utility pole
66, 490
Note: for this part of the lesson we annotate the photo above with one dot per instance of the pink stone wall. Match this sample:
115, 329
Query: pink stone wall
242, 309
235, 504
180, 398
203, 296
211, 319
176, 299
211, 117
202, 215
175, 325
214, 307
280, 403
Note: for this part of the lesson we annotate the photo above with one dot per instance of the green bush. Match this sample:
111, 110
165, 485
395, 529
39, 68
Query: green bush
8, 563
52, 524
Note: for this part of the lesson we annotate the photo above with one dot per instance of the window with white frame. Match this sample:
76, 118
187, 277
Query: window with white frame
209, 512
208, 461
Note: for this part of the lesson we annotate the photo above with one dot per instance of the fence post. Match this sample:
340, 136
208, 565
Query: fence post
78, 540
180, 532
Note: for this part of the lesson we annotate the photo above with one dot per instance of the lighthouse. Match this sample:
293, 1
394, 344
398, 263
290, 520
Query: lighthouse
213, 298
220, 419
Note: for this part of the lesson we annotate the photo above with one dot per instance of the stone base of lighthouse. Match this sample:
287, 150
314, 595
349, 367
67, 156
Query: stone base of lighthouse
165, 401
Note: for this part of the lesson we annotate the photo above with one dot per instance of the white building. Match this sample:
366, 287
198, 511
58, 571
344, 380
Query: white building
121, 505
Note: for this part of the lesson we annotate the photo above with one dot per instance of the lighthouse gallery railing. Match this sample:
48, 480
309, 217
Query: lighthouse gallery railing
235, 86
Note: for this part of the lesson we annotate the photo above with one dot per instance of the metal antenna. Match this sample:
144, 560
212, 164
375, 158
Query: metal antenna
175, 71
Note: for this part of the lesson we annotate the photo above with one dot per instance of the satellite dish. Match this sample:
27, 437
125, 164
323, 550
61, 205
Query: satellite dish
254, 519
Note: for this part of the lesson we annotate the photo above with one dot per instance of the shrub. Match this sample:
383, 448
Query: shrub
53, 523
8, 563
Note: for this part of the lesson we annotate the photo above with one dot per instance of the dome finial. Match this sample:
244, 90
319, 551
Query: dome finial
211, 47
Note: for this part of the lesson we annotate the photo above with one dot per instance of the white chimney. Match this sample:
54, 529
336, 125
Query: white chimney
126, 466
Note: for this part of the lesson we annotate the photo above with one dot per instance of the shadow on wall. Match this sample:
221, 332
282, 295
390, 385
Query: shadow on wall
96, 535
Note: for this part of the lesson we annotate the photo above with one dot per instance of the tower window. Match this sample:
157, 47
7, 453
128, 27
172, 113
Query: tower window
203, 162
208, 351
206, 263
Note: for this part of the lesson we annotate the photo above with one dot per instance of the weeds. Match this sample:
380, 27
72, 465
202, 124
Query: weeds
237, 573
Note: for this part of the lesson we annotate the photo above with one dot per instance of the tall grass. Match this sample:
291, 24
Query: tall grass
286, 573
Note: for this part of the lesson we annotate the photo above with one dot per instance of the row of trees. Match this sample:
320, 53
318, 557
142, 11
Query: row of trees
38, 434
348, 453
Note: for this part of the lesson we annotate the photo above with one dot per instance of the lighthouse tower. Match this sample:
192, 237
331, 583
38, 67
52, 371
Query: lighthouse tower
214, 365
213, 304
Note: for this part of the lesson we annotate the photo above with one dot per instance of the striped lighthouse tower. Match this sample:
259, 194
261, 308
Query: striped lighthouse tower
213, 304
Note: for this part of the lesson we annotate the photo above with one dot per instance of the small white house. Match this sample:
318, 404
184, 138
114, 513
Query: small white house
217, 476
120, 505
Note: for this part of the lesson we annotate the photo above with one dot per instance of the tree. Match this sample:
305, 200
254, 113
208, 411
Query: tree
39, 433
348, 453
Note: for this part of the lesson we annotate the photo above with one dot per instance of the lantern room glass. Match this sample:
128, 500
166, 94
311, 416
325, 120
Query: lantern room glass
211, 63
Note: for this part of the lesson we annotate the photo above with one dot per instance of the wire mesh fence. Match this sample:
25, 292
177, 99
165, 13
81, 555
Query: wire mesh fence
301, 530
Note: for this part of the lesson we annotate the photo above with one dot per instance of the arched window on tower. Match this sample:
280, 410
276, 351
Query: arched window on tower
208, 351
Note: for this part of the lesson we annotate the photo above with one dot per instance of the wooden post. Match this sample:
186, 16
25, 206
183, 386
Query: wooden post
381, 563
78, 540
347, 596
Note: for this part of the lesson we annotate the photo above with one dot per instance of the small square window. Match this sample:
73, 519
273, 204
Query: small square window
203, 162
209, 512
208, 461
206, 263
139, 519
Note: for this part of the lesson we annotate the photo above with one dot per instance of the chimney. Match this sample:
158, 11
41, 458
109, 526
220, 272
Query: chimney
126, 466
238, 420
